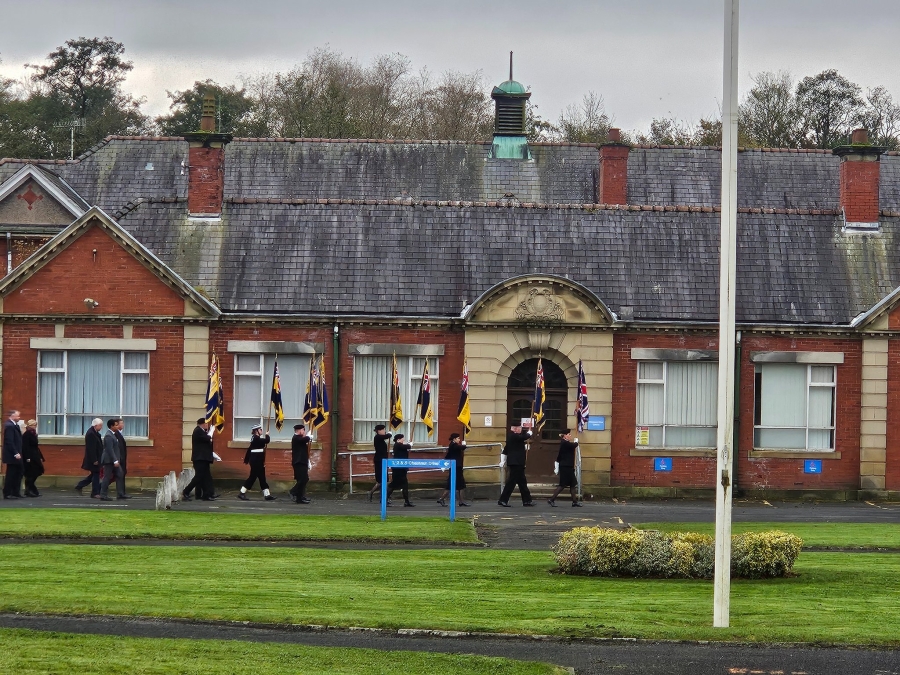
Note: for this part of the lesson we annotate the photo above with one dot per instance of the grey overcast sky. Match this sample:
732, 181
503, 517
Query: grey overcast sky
647, 58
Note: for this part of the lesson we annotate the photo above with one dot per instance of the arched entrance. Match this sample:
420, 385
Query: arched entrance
519, 401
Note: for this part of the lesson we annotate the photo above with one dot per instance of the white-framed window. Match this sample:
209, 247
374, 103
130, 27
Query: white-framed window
253, 393
676, 403
372, 395
76, 386
794, 406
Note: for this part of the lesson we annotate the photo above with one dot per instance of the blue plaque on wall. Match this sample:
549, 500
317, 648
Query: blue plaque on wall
662, 463
812, 466
596, 423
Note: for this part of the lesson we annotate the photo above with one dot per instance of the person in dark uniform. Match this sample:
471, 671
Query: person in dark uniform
12, 456
399, 480
123, 447
93, 448
256, 458
514, 456
456, 449
112, 466
301, 464
202, 457
33, 459
382, 438
565, 467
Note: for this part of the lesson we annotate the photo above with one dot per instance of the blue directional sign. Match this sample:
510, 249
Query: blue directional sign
597, 423
662, 463
445, 464
812, 466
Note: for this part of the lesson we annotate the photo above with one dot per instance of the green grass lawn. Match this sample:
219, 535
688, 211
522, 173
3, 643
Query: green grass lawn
88, 523
814, 535
28, 652
837, 598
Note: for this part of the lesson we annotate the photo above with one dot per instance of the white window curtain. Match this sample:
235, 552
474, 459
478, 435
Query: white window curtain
677, 401
795, 407
253, 375
372, 395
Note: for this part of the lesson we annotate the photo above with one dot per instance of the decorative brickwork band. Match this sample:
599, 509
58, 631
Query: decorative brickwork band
613, 186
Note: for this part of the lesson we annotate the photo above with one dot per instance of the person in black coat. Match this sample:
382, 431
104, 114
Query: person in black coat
33, 459
11, 455
456, 449
202, 457
112, 466
93, 449
514, 456
381, 440
399, 480
119, 431
301, 464
256, 458
565, 467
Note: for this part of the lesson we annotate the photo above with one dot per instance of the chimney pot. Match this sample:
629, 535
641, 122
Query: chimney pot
859, 137
615, 135
208, 114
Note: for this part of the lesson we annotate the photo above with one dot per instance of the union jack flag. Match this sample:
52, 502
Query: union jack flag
582, 408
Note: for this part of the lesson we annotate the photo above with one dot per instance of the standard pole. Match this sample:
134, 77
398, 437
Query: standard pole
724, 435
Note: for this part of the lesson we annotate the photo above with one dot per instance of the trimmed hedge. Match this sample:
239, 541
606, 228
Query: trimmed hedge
603, 551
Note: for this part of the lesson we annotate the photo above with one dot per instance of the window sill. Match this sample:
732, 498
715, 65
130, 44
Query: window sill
794, 454
274, 445
673, 452
79, 440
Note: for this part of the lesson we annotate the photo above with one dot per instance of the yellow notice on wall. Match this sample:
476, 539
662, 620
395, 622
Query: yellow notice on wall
642, 435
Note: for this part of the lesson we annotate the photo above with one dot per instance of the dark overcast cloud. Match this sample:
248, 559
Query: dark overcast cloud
648, 58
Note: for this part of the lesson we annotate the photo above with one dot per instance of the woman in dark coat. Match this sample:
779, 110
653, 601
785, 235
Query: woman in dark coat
565, 467
32, 458
399, 480
456, 449
381, 440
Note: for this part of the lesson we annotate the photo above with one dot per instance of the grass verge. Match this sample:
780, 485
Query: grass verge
850, 536
835, 598
87, 523
26, 651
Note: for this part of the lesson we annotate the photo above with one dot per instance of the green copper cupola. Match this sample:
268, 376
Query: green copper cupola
510, 98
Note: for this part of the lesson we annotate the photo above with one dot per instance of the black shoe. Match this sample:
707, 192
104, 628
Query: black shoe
577, 504
35, 493
106, 499
79, 490
527, 503
551, 502
504, 504
216, 496
303, 501
464, 504
294, 498
442, 502
185, 497
271, 498
243, 495
124, 497
369, 498
408, 504
208, 499
11, 497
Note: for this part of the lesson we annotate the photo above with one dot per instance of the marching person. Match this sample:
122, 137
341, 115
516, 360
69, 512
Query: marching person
256, 458
300, 462
456, 449
514, 456
12, 456
399, 478
33, 458
381, 440
112, 467
123, 447
202, 457
93, 449
565, 467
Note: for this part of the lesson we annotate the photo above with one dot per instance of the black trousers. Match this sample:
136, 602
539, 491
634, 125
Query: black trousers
257, 471
33, 471
399, 481
94, 479
301, 475
12, 484
514, 477
202, 480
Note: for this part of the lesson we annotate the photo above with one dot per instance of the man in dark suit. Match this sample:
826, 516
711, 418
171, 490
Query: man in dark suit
112, 467
300, 463
202, 457
93, 449
12, 456
514, 455
123, 448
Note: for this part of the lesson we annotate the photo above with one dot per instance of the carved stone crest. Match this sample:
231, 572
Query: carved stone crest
540, 305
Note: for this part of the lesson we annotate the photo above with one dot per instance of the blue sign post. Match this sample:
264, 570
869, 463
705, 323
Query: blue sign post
418, 464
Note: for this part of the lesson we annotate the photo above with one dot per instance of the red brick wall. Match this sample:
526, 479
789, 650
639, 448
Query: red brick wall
112, 277
627, 471
166, 367
859, 191
613, 174
206, 180
892, 470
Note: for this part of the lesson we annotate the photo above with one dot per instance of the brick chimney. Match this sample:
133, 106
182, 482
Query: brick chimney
860, 178
206, 159
613, 186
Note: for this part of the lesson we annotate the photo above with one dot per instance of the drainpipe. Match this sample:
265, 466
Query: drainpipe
737, 414
8, 252
335, 379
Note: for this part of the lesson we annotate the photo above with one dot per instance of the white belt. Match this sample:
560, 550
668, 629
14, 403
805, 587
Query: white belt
259, 450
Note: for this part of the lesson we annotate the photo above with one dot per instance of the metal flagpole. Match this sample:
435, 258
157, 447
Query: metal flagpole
727, 264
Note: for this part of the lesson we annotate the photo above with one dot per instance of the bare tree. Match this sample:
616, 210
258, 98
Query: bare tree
586, 122
829, 106
768, 115
882, 118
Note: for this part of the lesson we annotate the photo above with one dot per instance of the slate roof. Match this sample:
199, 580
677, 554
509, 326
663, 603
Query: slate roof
431, 260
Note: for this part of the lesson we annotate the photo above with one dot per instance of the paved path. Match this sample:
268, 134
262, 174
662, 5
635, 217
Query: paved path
595, 657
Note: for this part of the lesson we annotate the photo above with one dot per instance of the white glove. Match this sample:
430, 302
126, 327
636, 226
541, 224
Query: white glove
309, 465
463, 443
216, 457
528, 432
502, 460
410, 444
575, 441
444, 469
555, 468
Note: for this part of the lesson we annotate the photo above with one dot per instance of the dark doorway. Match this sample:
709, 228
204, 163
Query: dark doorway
519, 401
